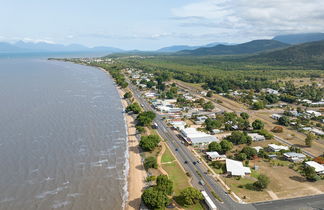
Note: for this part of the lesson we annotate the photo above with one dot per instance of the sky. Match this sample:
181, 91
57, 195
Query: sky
152, 24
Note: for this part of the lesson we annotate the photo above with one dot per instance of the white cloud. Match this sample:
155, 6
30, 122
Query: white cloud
254, 17
27, 39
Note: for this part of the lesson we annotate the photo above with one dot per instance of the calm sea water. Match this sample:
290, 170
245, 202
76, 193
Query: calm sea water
62, 137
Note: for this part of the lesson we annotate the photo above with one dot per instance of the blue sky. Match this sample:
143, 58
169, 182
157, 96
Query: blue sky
151, 24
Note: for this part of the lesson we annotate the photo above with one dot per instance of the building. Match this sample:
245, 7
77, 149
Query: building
317, 131
276, 116
270, 91
214, 156
256, 137
294, 157
197, 138
313, 113
236, 168
277, 148
258, 148
200, 120
179, 125
216, 131
319, 169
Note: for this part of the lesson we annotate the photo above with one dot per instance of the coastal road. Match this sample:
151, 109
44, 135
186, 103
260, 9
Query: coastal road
197, 171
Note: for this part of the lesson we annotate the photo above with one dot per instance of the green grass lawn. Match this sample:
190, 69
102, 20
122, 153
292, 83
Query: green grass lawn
177, 175
167, 156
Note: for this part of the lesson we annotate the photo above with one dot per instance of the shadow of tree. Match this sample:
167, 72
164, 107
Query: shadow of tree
298, 178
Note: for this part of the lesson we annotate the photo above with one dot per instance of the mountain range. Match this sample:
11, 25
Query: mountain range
176, 48
251, 47
299, 38
310, 54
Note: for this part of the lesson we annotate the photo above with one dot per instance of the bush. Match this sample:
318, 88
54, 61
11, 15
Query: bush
140, 129
262, 182
135, 108
284, 120
265, 133
150, 162
128, 95
277, 129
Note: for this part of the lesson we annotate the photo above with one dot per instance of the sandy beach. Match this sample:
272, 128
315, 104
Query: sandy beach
137, 173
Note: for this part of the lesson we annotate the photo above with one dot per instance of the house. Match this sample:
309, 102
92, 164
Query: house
150, 95
214, 156
317, 131
236, 168
306, 101
200, 120
277, 148
270, 91
216, 131
319, 169
276, 116
197, 138
258, 148
313, 113
294, 157
256, 137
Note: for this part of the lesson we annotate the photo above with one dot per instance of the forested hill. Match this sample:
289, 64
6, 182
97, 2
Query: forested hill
310, 55
251, 47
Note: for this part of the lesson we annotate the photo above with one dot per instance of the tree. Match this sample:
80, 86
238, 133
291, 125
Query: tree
150, 162
277, 129
212, 124
155, 199
241, 156
164, 184
258, 105
262, 182
209, 93
238, 137
208, 106
214, 146
309, 139
128, 95
284, 120
310, 173
191, 196
145, 118
135, 108
250, 152
258, 125
148, 143
245, 115
226, 146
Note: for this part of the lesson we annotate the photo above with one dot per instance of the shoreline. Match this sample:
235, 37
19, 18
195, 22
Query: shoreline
136, 173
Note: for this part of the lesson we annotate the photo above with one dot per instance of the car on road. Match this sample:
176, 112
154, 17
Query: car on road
194, 162
202, 182
176, 149
185, 162
198, 161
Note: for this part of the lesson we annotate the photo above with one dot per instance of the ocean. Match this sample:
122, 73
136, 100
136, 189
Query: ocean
62, 137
